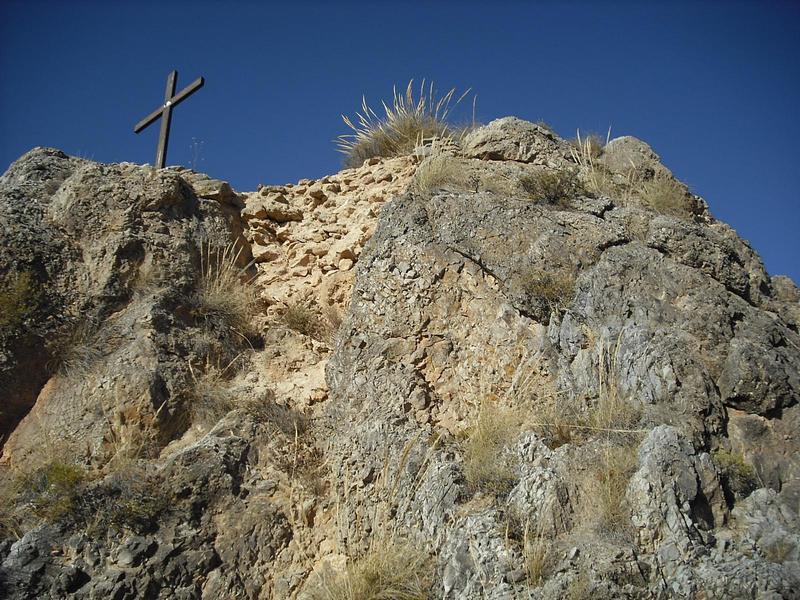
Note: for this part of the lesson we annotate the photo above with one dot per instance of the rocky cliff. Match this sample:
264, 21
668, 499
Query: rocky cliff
509, 367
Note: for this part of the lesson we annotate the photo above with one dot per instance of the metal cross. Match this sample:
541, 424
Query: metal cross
171, 100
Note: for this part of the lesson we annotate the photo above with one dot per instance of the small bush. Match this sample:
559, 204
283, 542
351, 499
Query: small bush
223, 292
488, 466
17, 299
408, 121
390, 571
737, 476
552, 187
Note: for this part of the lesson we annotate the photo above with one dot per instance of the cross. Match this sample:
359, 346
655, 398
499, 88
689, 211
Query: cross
171, 100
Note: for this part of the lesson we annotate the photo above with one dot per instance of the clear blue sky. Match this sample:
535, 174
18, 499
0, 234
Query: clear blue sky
714, 87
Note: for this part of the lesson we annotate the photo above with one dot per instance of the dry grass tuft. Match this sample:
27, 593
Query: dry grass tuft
436, 172
664, 194
552, 187
554, 289
223, 291
488, 466
308, 322
392, 571
605, 485
597, 178
407, 123
210, 394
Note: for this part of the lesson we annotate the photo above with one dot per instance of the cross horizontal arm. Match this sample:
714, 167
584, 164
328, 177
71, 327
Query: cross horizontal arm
187, 91
147, 120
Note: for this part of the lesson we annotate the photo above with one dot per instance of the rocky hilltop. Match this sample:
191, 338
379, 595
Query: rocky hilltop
507, 366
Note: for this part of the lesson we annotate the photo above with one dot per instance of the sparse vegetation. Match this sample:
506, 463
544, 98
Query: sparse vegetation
435, 172
488, 465
223, 292
390, 571
552, 187
407, 123
554, 288
605, 485
50, 492
131, 500
210, 394
591, 144
737, 476
664, 194
306, 321
597, 178
17, 299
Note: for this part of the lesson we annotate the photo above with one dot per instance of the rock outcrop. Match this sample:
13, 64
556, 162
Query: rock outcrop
525, 395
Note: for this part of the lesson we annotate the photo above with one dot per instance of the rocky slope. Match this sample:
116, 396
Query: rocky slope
505, 368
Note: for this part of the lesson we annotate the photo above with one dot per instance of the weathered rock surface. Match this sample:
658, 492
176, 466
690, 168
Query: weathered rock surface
647, 365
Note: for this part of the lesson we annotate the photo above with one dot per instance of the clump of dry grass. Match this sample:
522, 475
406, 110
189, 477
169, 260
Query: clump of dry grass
554, 288
223, 290
591, 144
391, 571
552, 187
306, 321
51, 492
408, 121
664, 194
488, 465
435, 172
604, 505
597, 178
210, 393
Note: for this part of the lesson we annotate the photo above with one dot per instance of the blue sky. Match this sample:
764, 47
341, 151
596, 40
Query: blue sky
714, 87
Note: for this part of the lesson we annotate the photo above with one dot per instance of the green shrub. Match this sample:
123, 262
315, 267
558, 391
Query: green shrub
552, 187
408, 121
737, 476
17, 299
51, 492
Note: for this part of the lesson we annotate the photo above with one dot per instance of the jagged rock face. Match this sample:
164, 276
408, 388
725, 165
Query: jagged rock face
642, 370
113, 253
678, 313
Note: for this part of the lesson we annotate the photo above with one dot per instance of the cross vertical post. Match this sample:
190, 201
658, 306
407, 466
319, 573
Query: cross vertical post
166, 120
171, 100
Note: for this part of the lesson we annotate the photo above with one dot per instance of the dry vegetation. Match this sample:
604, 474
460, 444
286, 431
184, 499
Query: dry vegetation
488, 465
408, 122
436, 172
554, 287
224, 294
390, 571
552, 187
